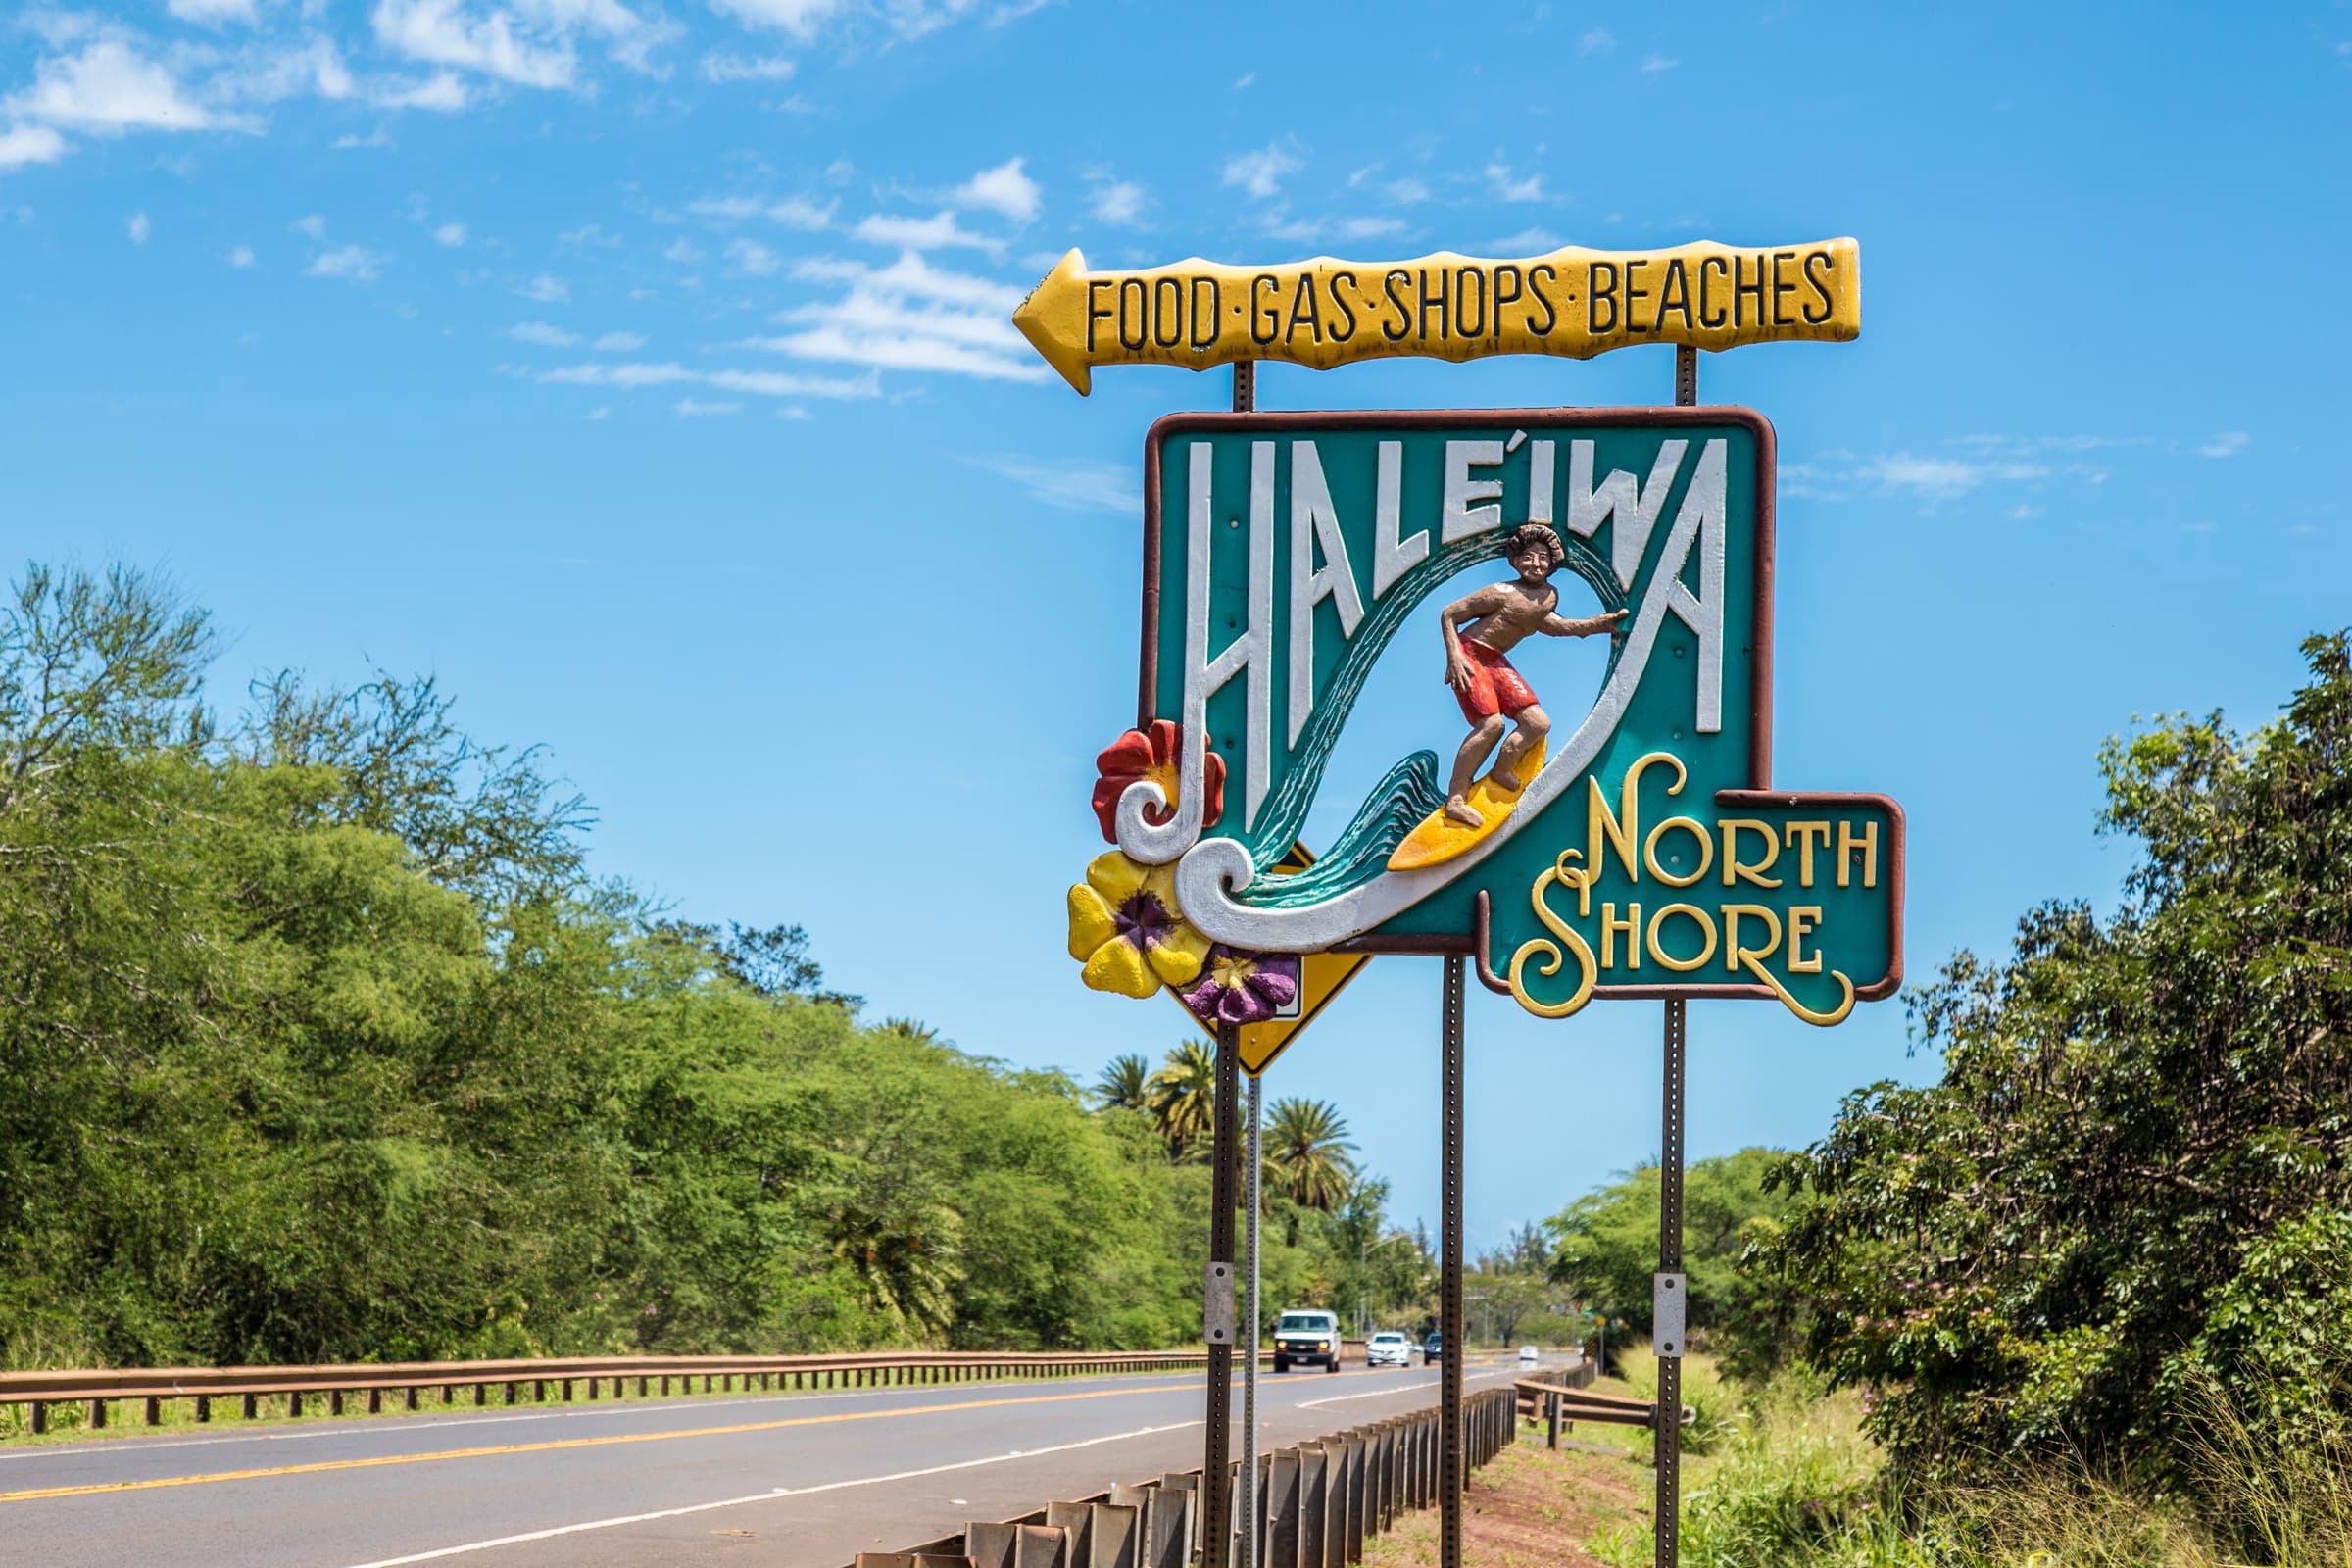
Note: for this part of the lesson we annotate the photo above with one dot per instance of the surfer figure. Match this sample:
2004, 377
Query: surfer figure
1494, 695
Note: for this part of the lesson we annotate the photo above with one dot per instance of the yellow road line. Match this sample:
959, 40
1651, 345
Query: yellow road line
106, 1488
109, 1486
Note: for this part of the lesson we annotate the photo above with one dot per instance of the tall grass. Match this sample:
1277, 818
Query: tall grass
1793, 1481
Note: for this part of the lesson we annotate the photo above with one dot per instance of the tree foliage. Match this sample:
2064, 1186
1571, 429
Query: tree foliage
319, 1044
2132, 1179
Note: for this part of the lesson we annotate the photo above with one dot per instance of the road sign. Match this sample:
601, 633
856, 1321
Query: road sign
1649, 853
1570, 302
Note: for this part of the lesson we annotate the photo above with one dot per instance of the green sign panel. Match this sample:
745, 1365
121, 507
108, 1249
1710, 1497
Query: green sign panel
1621, 841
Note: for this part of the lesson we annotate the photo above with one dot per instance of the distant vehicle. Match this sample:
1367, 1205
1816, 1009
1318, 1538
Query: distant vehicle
1309, 1338
1529, 1355
1389, 1348
1431, 1351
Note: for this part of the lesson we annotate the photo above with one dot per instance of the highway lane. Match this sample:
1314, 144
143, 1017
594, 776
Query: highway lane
803, 1480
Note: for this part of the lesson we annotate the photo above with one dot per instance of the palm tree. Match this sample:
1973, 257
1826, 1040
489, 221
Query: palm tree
1184, 1096
1126, 1084
1307, 1149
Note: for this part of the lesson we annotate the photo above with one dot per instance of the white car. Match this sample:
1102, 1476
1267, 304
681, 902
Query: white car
1529, 1355
1388, 1348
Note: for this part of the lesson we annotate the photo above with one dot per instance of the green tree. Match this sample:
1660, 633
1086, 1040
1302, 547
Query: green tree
1183, 1098
1306, 1147
1606, 1250
1125, 1084
2139, 1120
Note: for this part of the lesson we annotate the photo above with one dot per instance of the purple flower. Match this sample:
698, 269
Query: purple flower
1242, 988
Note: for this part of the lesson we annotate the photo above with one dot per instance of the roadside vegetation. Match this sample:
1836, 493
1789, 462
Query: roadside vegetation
2088, 1299
322, 1044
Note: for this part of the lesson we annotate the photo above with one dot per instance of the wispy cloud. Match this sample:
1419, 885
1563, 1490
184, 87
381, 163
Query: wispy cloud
545, 289
799, 17
1118, 202
939, 232
689, 409
619, 343
909, 316
794, 211
241, 257
352, 264
1658, 63
1509, 188
1596, 40
726, 67
106, 89
544, 333
1071, 484
756, 383
2228, 444
752, 259
138, 228
1002, 189
1260, 173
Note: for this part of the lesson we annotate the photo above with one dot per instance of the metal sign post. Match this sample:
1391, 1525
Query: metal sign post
1450, 1466
1246, 1490
1636, 846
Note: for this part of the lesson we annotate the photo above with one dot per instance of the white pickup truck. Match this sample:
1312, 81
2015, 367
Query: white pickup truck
1307, 1335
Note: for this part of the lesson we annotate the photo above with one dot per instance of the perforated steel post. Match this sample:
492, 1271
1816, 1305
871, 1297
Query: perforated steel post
1216, 1530
1450, 1457
1667, 1291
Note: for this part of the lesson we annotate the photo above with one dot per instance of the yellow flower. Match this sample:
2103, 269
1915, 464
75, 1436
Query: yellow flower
1126, 929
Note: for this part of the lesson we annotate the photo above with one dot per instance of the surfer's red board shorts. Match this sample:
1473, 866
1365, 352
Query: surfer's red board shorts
1495, 686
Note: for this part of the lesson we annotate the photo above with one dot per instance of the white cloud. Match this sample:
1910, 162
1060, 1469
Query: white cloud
1246, 81
450, 235
1507, 189
1942, 479
1261, 172
441, 92
588, 236
241, 257
752, 259
794, 211
2228, 444
543, 333
1658, 63
30, 144
797, 17
689, 409
908, 316
1072, 484
212, 12
684, 251
545, 289
376, 138
443, 32
1598, 40
138, 228
1408, 191
353, 264
760, 383
935, 232
619, 343
109, 88
1002, 189
1526, 242
312, 226
1119, 202
724, 67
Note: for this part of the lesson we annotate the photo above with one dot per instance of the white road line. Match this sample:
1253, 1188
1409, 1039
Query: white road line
762, 1496
1393, 1388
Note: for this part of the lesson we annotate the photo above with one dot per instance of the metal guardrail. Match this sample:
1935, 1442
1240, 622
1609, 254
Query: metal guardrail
653, 1375
1317, 1503
1569, 1401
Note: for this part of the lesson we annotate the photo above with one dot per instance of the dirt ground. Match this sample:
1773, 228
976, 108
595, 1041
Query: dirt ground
1531, 1508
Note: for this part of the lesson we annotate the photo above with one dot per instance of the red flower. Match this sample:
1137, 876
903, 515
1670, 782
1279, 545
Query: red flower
1153, 754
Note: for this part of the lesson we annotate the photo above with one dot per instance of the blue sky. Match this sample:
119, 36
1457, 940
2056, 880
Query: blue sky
643, 371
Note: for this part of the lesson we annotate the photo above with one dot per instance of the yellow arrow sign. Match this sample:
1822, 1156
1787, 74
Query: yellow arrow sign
1572, 301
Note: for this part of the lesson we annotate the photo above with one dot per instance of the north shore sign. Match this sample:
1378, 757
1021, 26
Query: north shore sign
1646, 852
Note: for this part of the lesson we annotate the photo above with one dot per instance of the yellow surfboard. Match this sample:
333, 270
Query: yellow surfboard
1439, 838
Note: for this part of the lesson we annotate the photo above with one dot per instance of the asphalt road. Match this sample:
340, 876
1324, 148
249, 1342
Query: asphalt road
803, 1480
